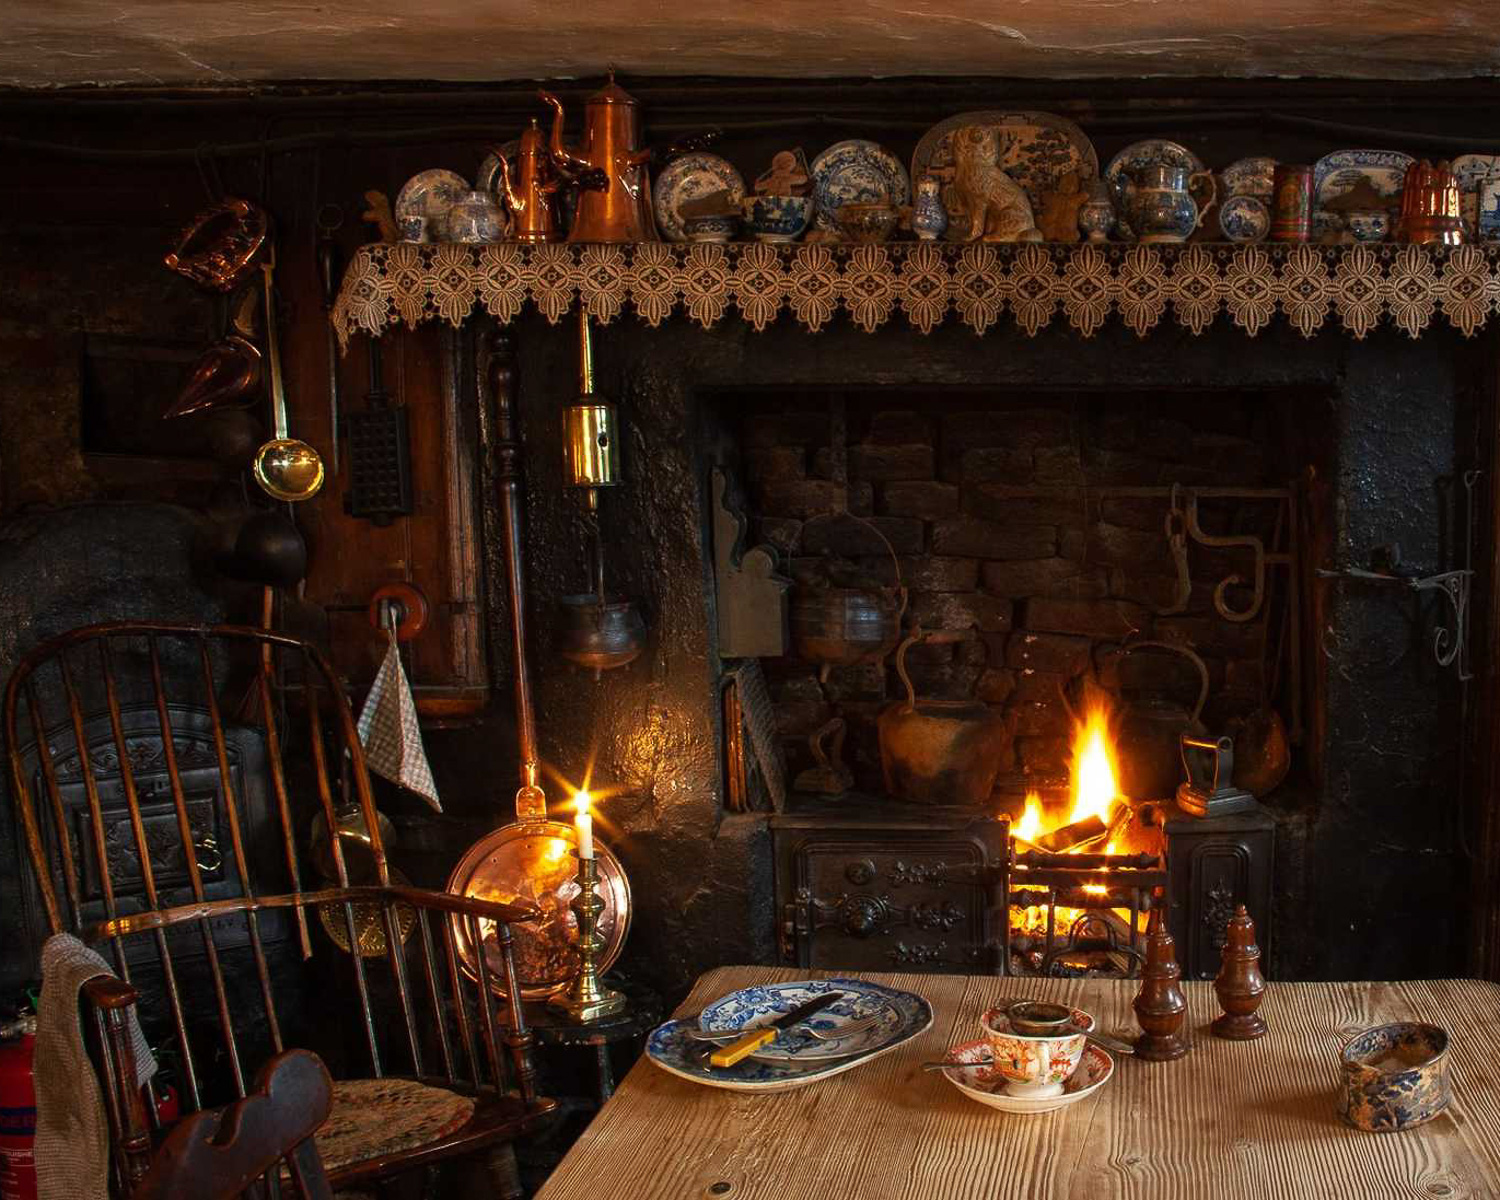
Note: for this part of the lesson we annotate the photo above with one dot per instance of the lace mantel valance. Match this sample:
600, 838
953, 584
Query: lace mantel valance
1353, 288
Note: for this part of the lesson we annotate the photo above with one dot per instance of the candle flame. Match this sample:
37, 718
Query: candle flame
581, 802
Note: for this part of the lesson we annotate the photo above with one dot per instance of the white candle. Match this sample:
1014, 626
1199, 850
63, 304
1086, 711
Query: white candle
584, 823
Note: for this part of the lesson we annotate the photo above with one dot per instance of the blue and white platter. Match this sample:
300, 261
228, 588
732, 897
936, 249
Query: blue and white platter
1250, 177
1334, 174
752, 1008
689, 178
1469, 172
673, 1048
856, 171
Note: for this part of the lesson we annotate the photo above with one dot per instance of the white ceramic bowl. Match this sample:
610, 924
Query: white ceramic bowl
986, 1085
1037, 1065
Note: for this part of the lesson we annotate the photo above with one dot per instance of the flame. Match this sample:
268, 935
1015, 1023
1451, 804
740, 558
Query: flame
1094, 777
581, 801
1029, 827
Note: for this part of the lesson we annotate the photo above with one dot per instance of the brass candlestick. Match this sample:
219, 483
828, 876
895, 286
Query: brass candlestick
586, 998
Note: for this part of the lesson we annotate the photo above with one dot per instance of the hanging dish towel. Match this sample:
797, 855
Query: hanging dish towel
72, 1134
388, 730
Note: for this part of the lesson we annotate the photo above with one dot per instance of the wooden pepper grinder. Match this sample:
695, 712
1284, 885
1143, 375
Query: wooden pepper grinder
1240, 985
1160, 1006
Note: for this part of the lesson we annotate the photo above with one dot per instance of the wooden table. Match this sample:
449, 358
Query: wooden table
1253, 1120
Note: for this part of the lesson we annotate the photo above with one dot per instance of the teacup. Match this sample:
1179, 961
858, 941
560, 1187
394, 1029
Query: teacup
777, 218
1395, 1076
1035, 1065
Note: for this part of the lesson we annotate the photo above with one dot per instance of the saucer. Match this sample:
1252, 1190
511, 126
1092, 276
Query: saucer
985, 1085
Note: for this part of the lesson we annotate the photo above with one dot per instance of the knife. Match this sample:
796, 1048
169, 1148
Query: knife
727, 1056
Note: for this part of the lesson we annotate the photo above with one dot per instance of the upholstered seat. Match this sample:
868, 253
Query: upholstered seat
375, 1118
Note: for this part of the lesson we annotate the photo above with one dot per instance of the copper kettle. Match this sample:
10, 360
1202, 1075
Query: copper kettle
530, 192
620, 209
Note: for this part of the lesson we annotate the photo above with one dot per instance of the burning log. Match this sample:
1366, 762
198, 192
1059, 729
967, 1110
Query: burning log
1079, 833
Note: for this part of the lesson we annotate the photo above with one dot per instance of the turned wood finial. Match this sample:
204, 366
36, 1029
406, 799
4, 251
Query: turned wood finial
1240, 985
1160, 1006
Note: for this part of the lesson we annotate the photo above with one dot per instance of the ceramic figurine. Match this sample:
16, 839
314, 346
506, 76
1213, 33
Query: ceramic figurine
1292, 203
1097, 216
1430, 210
996, 208
475, 219
379, 215
1058, 219
1240, 986
1159, 205
929, 219
1160, 1006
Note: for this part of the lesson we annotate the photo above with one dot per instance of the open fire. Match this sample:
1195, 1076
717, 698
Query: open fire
1048, 933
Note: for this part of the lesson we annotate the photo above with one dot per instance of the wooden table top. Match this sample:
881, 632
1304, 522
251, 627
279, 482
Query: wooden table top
1252, 1120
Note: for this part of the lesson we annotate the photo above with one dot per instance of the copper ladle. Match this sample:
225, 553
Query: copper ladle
285, 467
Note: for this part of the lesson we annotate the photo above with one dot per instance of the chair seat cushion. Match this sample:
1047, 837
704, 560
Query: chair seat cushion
370, 1118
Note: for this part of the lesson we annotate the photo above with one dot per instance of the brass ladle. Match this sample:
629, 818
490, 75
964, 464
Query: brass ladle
285, 467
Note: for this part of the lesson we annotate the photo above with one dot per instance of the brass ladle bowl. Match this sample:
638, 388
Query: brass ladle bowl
285, 467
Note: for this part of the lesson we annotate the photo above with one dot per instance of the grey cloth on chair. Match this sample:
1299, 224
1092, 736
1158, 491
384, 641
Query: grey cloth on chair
72, 1131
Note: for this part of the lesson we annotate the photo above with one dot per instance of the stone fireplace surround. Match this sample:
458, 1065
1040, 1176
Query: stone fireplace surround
1367, 849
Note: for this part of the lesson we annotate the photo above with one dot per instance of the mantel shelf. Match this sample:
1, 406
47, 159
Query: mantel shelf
1352, 288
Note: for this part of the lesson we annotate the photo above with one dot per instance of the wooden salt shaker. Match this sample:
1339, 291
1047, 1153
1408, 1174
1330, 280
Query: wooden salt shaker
1240, 985
1160, 1006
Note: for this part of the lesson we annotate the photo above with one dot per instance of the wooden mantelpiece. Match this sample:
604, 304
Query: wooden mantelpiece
1351, 288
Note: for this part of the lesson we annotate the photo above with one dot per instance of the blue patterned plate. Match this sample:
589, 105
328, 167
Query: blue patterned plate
1334, 174
857, 172
672, 1048
689, 178
752, 1008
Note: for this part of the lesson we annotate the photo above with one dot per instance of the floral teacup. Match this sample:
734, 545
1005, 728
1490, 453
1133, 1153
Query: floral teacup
1035, 1065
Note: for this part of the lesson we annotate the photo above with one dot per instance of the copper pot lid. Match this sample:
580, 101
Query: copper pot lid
533, 861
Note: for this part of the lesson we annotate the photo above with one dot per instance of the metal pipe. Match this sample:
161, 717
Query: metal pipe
497, 377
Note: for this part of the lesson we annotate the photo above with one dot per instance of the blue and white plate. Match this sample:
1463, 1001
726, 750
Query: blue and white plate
856, 172
1250, 177
689, 178
1469, 172
430, 194
1334, 174
673, 1048
1244, 218
756, 1007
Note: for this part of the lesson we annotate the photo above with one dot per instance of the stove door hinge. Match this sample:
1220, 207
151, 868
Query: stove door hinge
796, 925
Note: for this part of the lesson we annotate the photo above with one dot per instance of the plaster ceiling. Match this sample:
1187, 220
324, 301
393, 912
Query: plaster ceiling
47, 43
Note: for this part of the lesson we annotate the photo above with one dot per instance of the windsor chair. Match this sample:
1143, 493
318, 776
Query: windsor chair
218, 1154
169, 838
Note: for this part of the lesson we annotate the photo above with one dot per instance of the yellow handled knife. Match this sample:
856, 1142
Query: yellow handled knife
728, 1055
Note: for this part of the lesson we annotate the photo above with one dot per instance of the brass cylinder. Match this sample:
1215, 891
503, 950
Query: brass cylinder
591, 453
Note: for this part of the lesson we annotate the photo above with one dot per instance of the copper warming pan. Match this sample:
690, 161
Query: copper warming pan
534, 861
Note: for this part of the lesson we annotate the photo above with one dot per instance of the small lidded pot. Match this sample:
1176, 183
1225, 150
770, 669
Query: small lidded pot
1395, 1076
475, 218
1036, 1064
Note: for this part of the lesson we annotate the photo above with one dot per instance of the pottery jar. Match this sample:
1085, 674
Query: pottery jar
1097, 216
1394, 1076
1159, 205
929, 219
475, 218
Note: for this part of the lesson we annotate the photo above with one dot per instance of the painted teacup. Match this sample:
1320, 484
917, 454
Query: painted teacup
1035, 1065
1395, 1076
777, 218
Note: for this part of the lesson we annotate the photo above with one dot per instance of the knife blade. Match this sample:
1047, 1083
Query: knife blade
727, 1056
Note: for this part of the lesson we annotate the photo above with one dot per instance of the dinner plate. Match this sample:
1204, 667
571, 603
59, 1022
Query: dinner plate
756, 1007
1036, 150
985, 1084
673, 1049
1334, 174
1250, 177
430, 194
689, 178
856, 171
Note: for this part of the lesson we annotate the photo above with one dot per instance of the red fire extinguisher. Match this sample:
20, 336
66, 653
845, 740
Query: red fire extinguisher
17, 1110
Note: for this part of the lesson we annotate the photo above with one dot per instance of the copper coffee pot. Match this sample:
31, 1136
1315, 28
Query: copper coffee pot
531, 193
620, 210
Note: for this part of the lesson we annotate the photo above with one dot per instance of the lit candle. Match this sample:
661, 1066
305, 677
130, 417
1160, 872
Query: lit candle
584, 823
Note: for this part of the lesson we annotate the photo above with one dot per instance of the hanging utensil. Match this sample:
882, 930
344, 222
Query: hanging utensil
228, 372
330, 217
1176, 531
285, 467
379, 453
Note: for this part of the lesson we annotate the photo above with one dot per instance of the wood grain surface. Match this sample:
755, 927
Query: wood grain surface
1255, 1120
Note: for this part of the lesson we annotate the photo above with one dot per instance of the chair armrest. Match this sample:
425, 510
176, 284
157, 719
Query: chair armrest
108, 993
495, 910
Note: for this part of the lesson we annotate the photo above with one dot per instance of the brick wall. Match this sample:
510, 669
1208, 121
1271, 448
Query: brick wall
1006, 523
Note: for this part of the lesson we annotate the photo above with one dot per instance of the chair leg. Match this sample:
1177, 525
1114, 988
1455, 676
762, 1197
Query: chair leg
431, 1177
505, 1173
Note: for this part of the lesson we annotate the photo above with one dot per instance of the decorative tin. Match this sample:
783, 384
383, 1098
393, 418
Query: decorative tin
1292, 204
